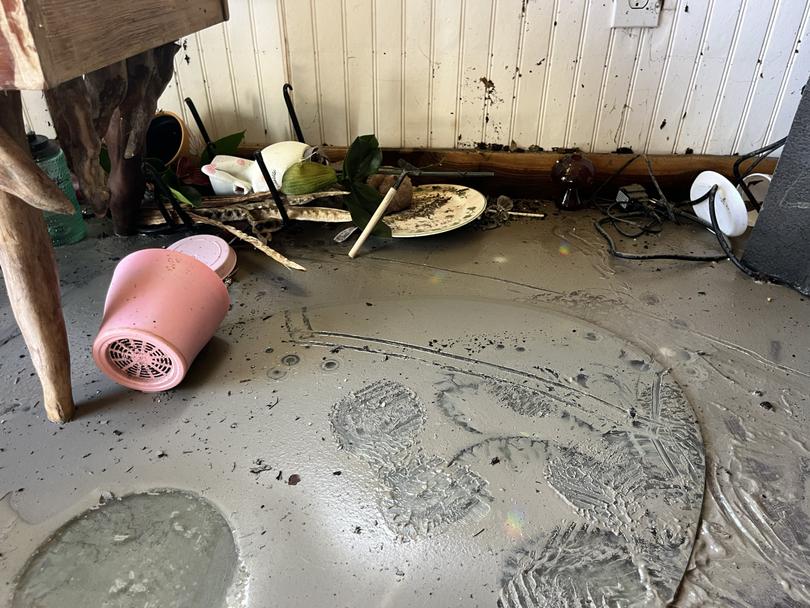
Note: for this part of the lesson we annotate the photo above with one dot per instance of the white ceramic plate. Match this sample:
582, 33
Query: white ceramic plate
437, 208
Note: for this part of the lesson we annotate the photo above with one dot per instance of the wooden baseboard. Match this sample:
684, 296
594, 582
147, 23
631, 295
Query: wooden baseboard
528, 174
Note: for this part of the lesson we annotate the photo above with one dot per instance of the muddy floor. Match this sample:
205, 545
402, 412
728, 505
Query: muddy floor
504, 417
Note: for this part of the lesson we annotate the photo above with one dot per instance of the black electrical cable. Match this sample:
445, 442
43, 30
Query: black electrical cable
728, 253
599, 225
724, 244
654, 226
754, 165
664, 199
694, 202
642, 217
638, 221
739, 177
726, 247
651, 211
761, 153
615, 174
648, 217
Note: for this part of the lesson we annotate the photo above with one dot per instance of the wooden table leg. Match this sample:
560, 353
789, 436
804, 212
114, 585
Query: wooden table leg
29, 271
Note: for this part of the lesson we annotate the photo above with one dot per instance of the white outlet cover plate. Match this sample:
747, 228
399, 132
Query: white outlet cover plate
636, 13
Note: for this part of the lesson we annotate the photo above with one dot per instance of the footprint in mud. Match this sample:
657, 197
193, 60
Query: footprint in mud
380, 424
424, 495
606, 491
575, 565
378, 421
521, 399
451, 398
454, 390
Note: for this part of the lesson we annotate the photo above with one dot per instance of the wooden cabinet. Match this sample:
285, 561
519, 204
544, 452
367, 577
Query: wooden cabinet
46, 42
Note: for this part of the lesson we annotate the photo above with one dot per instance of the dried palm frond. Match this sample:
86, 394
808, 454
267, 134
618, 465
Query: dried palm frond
244, 236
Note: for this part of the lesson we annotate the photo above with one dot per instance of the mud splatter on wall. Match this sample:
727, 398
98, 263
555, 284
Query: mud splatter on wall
451, 74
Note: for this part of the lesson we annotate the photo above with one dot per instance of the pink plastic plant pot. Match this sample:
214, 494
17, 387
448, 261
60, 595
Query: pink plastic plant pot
162, 307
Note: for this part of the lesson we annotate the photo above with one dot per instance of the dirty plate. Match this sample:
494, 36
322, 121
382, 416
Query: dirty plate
437, 208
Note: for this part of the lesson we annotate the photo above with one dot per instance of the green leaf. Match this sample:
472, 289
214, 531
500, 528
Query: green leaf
363, 158
306, 177
104, 159
187, 195
224, 145
362, 201
182, 192
366, 197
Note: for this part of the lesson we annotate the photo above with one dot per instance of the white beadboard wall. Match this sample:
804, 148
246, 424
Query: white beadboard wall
716, 76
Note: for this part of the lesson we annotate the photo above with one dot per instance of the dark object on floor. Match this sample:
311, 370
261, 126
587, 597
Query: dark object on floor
632, 192
573, 172
779, 246
496, 214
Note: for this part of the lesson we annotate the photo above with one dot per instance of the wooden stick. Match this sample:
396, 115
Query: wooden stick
525, 214
29, 270
373, 221
126, 181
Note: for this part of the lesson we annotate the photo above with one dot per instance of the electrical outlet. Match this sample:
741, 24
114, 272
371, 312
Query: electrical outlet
636, 13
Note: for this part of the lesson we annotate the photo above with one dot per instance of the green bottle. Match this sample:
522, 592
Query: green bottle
63, 229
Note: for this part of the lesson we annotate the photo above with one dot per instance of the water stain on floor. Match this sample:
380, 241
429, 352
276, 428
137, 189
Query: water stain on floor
166, 548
